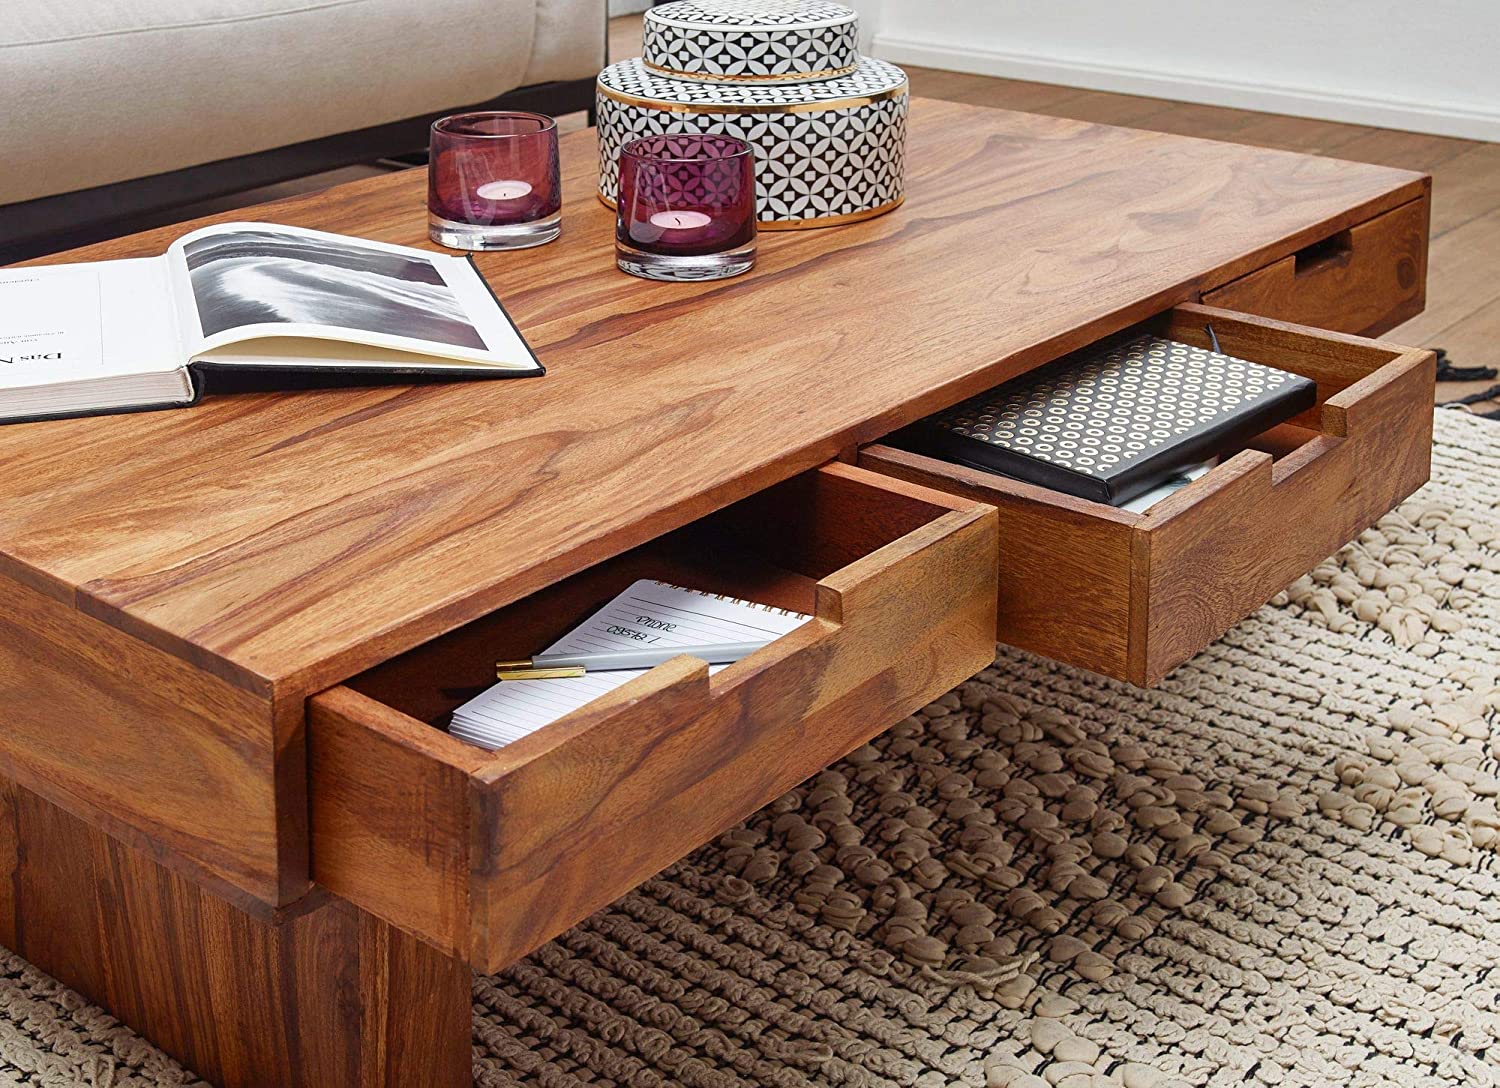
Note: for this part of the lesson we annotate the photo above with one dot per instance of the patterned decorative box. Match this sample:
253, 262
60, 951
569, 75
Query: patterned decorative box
826, 152
750, 41
1115, 420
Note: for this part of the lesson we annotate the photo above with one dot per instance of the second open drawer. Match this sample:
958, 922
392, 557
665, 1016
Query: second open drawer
489, 854
1132, 595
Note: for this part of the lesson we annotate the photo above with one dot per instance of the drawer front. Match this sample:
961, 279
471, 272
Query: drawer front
1367, 279
1134, 595
489, 855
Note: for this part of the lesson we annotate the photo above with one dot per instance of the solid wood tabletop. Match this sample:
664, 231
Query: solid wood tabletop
288, 541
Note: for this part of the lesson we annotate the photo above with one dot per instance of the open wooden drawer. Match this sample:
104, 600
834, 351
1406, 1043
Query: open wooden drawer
1133, 595
490, 854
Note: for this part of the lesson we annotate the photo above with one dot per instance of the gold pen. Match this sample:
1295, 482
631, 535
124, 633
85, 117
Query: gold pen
560, 666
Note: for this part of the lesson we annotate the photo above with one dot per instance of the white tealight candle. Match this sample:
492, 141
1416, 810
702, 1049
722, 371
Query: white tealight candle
681, 220
503, 190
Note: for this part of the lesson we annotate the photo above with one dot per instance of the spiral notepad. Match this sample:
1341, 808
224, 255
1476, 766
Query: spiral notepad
647, 614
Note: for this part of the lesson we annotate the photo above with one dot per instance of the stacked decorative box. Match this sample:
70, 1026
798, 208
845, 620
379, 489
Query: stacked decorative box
828, 127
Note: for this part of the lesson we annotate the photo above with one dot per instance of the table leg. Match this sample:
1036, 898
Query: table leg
330, 998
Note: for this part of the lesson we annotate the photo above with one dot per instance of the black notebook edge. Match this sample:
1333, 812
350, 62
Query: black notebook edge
1215, 438
540, 369
1198, 445
230, 378
945, 445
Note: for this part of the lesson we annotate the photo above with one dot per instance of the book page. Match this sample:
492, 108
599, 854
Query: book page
651, 614
239, 282
647, 614
81, 322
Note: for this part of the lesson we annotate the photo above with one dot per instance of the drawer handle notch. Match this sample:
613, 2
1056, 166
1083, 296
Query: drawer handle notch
1335, 250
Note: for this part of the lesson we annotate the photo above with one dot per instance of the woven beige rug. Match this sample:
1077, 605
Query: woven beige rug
1280, 868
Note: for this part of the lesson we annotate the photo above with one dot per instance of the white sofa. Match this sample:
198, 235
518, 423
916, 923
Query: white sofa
99, 92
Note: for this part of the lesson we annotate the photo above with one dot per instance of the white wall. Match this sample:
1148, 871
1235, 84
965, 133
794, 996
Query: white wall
1430, 66
870, 12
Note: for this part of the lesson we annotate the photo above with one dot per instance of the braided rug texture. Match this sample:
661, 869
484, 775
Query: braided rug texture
1279, 868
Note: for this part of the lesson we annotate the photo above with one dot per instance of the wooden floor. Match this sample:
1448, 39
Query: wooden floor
1463, 289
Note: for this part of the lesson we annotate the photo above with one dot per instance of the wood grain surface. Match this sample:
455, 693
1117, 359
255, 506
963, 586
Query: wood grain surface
1133, 595
488, 855
291, 541
333, 997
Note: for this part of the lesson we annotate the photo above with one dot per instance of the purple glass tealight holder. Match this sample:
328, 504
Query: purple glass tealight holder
492, 181
686, 208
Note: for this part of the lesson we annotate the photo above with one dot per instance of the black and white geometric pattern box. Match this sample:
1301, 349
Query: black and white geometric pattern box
825, 152
744, 41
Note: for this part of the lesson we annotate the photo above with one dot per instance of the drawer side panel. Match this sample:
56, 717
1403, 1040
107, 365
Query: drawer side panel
1065, 586
390, 818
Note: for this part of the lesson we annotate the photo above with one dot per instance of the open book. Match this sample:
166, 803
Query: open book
244, 305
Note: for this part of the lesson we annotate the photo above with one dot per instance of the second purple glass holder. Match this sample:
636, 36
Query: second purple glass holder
686, 208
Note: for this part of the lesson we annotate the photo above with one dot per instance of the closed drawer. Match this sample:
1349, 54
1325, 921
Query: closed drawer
490, 854
1132, 595
1366, 279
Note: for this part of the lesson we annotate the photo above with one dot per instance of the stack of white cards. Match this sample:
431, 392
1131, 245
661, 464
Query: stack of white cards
647, 614
1170, 486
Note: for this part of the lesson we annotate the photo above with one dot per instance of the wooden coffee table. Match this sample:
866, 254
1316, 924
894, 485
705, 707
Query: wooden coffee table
224, 632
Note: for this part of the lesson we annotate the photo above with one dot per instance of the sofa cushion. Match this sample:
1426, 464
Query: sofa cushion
569, 40
99, 91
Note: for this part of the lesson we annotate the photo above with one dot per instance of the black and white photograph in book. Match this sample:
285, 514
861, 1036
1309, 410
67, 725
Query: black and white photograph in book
248, 277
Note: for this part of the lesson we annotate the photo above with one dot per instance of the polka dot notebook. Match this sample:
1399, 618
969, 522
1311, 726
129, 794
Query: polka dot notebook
1114, 421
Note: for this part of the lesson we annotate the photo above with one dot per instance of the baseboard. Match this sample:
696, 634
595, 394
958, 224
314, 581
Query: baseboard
1436, 118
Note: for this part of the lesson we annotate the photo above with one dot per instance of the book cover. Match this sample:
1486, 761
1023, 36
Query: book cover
1114, 421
